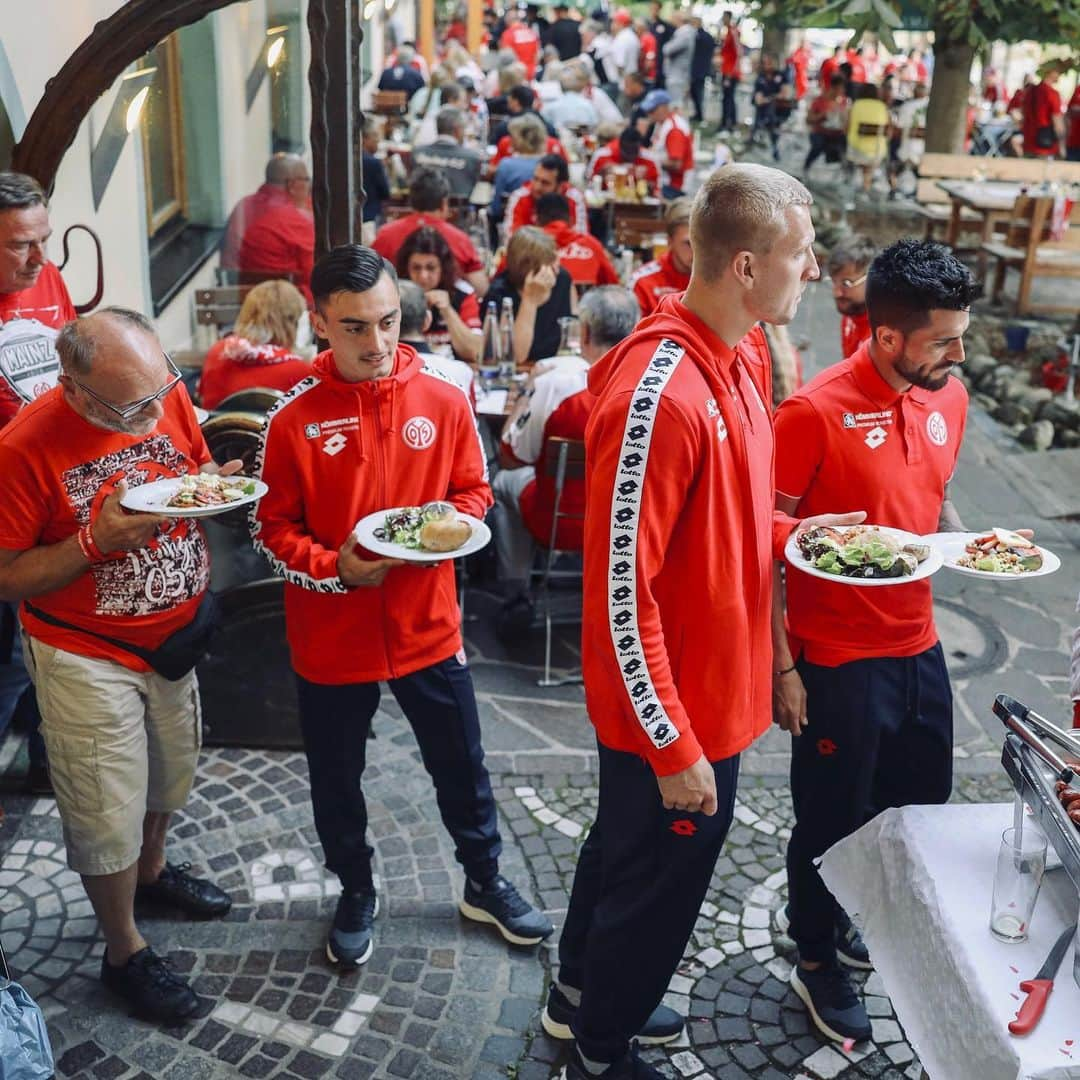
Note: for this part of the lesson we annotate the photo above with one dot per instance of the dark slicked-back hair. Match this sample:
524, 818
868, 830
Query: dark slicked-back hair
348, 268
912, 278
555, 163
552, 207
428, 189
18, 191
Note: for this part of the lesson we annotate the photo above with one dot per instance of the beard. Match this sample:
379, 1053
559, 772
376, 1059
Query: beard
849, 307
934, 378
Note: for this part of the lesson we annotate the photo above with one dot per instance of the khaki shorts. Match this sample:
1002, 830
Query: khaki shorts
120, 743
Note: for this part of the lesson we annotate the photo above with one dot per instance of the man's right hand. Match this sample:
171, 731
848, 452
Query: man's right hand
360, 573
115, 529
693, 789
789, 702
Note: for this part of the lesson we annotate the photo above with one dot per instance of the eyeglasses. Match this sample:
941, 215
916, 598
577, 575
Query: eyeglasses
126, 412
850, 283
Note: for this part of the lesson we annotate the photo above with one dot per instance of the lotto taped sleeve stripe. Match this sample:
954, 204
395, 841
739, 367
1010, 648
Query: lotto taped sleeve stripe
622, 599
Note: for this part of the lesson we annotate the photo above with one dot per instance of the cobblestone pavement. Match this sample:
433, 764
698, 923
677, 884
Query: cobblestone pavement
442, 998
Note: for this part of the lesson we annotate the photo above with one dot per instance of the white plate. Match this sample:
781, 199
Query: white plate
951, 545
365, 537
152, 499
930, 565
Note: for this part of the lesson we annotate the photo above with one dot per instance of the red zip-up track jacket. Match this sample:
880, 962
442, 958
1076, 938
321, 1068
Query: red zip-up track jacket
334, 451
680, 538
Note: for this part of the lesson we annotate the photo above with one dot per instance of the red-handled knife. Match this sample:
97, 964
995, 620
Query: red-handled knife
1038, 989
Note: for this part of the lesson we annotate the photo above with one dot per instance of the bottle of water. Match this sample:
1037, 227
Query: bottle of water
491, 356
506, 338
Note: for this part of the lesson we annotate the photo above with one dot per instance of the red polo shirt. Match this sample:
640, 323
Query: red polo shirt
1041, 105
848, 441
390, 237
1072, 130
854, 330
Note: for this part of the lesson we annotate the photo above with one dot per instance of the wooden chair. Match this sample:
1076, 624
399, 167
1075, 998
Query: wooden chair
390, 103
218, 306
1028, 248
564, 459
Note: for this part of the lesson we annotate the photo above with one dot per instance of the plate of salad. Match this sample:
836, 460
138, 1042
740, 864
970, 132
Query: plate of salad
195, 495
862, 555
1004, 554
433, 532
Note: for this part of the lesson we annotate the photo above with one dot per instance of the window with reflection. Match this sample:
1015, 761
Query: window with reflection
162, 138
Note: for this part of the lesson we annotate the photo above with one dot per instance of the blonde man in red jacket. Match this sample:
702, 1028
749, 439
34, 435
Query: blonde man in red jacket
680, 539
373, 428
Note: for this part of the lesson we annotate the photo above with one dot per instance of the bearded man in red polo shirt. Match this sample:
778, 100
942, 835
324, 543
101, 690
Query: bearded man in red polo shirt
848, 265
863, 669
671, 272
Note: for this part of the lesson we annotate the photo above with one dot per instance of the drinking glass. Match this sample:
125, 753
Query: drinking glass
570, 341
1021, 864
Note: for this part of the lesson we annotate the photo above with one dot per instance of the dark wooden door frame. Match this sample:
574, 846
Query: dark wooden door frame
139, 25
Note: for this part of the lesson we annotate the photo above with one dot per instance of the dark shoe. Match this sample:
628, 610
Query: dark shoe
631, 1067
150, 986
192, 895
850, 947
350, 941
512, 915
831, 1000
663, 1026
38, 782
515, 618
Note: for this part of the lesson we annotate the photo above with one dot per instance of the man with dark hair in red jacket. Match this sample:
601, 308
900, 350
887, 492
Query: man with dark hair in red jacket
679, 546
371, 429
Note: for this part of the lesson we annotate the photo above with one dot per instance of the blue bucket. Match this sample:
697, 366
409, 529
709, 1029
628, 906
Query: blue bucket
1016, 338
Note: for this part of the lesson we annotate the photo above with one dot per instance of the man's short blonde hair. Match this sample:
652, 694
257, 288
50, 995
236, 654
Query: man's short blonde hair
740, 208
676, 213
527, 134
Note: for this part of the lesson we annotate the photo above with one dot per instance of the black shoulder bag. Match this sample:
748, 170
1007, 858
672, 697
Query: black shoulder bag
176, 655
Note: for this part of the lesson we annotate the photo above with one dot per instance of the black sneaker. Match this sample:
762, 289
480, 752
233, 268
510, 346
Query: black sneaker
513, 916
192, 895
663, 1026
832, 1002
631, 1067
350, 940
850, 947
150, 986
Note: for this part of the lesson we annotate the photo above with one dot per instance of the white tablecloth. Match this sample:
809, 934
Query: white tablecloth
921, 880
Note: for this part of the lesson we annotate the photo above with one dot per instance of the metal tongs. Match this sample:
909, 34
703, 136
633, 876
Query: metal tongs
1031, 728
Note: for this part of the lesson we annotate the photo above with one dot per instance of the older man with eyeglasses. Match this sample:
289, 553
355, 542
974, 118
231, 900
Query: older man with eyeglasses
849, 264
106, 596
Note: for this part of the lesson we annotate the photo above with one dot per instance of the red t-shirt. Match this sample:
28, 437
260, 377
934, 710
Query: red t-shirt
1072, 137
848, 441
1041, 104
647, 58
858, 68
234, 364
609, 155
830, 66
729, 54
656, 279
504, 148
583, 257
800, 62
29, 320
521, 208
391, 236
674, 142
854, 330
281, 240
524, 42
58, 469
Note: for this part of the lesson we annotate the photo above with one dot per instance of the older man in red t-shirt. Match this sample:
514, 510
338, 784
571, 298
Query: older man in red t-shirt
101, 591
34, 301
1044, 124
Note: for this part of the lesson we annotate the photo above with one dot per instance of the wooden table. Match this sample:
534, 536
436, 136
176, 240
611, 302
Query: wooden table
993, 200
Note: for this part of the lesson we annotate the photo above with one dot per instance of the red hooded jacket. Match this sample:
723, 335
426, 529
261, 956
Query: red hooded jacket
334, 452
680, 537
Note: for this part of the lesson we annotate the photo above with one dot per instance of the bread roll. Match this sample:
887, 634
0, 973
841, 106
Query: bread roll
444, 535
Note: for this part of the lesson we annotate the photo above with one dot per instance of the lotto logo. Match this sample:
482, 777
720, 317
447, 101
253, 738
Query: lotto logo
335, 444
418, 433
875, 437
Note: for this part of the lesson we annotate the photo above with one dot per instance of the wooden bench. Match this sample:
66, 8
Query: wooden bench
936, 207
1028, 248
219, 305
